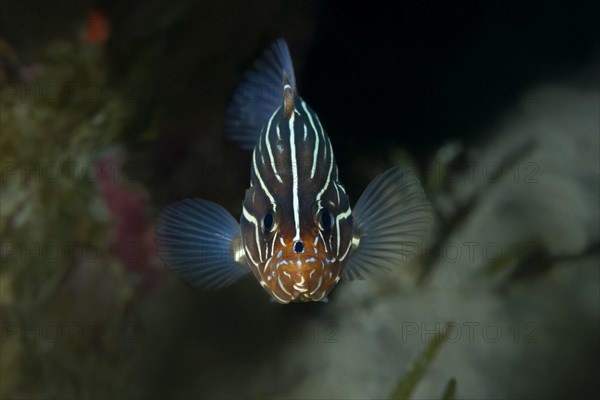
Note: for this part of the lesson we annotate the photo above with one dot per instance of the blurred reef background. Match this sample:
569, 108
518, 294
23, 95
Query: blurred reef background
110, 110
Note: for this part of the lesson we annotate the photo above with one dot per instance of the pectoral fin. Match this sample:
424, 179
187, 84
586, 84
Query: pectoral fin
392, 220
200, 241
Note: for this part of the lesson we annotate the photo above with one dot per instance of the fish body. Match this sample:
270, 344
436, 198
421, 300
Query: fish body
297, 233
296, 217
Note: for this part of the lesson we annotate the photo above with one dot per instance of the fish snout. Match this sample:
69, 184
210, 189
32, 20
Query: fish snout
302, 279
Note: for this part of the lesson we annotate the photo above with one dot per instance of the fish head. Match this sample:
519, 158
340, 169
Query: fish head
304, 269
300, 267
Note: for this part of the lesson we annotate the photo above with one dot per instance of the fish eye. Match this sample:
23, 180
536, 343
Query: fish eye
268, 222
325, 219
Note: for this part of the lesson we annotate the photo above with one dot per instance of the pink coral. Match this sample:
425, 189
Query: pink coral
133, 233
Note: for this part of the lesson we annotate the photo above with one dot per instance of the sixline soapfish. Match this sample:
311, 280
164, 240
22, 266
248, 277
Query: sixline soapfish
297, 233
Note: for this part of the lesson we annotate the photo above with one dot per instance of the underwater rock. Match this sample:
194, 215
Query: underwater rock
531, 189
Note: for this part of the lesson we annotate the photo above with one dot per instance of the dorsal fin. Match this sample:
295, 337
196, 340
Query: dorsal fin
288, 101
259, 94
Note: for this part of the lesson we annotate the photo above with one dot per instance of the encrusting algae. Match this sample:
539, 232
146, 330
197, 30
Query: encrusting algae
67, 281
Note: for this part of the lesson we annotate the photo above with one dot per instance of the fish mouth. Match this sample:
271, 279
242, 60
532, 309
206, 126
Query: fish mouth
301, 279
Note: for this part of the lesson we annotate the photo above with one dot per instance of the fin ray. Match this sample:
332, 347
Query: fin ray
392, 217
197, 240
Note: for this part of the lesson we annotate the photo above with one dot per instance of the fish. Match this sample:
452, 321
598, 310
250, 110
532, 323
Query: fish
297, 233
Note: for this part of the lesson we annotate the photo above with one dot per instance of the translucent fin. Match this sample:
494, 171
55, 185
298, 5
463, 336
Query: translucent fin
198, 239
259, 94
392, 220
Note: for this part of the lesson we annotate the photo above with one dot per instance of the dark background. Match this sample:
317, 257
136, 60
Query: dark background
412, 73
419, 73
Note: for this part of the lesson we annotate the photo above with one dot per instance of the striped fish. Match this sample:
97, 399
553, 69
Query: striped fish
298, 234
